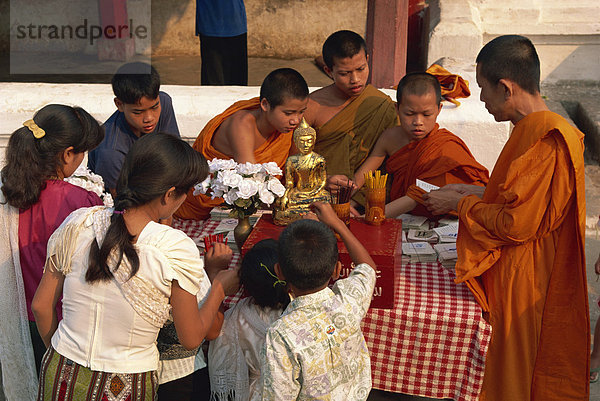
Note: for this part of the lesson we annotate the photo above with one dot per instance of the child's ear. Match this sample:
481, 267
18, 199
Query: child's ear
119, 104
278, 272
67, 155
328, 71
337, 270
169, 194
264, 105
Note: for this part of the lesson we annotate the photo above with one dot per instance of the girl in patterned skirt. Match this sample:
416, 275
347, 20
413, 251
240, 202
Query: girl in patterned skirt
122, 275
34, 201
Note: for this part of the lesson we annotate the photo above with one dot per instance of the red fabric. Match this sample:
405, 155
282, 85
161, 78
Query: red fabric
37, 224
440, 158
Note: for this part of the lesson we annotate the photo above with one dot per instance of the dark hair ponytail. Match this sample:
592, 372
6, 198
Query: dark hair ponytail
257, 275
31, 161
155, 163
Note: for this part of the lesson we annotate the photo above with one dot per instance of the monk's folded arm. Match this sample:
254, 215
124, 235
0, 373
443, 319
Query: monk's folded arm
534, 198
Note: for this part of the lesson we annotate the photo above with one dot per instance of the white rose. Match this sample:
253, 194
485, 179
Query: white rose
221, 164
231, 196
218, 189
213, 165
248, 168
247, 189
272, 168
202, 187
265, 195
216, 193
260, 177
230, 178
276, 187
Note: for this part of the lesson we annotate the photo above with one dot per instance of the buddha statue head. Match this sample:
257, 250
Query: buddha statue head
304, 137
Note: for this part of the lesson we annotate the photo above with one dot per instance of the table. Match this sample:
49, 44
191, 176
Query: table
433, 344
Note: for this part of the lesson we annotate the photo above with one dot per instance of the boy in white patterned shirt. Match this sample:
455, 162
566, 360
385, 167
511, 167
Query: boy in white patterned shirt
316, 350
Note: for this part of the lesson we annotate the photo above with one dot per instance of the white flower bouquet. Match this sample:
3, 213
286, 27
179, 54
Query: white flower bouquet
84, 178
243, 186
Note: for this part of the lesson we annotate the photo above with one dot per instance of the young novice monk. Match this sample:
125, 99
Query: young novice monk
348, 115
419, 149
258, 130
316, 350
141, 109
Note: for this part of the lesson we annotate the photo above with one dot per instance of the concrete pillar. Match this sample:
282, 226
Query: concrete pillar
457, 34
387, 22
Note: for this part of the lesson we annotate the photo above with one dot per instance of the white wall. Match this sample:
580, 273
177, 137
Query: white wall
196, 105
566, 33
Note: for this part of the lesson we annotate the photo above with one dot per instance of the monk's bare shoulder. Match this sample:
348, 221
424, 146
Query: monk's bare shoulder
393, 139
323, 105
327, 96
235, 132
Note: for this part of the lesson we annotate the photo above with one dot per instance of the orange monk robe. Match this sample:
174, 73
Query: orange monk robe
275, 149
440, 158
521, 252
346, 140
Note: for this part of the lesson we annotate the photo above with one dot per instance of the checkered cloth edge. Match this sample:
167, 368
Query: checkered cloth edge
433, 344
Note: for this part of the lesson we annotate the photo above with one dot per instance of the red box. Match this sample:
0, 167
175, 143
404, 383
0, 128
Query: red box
383, 242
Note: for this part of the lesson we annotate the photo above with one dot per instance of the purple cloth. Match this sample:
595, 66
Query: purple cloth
37, 224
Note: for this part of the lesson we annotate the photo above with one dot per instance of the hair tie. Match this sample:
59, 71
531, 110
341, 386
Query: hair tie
34, 128
279, 281
118, 211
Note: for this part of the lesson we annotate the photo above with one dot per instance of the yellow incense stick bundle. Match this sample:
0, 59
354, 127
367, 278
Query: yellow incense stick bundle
374, 181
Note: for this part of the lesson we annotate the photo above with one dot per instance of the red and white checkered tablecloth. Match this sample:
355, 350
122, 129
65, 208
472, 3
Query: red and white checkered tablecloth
433, 344
197, 230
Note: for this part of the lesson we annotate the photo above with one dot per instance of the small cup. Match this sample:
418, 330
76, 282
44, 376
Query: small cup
375, 208
343, 212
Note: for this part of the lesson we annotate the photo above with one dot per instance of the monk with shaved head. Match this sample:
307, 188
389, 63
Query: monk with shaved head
419, 149
521, 240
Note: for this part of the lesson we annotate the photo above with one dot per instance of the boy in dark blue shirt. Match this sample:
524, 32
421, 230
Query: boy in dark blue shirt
141, 109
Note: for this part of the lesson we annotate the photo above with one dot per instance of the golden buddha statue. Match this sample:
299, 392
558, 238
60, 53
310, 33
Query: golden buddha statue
305, 177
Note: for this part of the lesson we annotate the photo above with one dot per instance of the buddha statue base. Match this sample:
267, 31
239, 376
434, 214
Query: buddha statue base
295, 211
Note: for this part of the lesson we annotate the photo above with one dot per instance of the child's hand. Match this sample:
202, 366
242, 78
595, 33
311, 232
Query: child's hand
229, 280
217, 258
310, 216
326, 214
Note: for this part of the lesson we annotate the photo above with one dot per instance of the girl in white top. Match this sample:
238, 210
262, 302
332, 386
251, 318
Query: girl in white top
234, 357
121, 275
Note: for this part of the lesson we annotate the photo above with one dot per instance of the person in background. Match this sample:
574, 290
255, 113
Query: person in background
257, 130
419, 149
221, 25
349, 115
141, 109
34, 201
